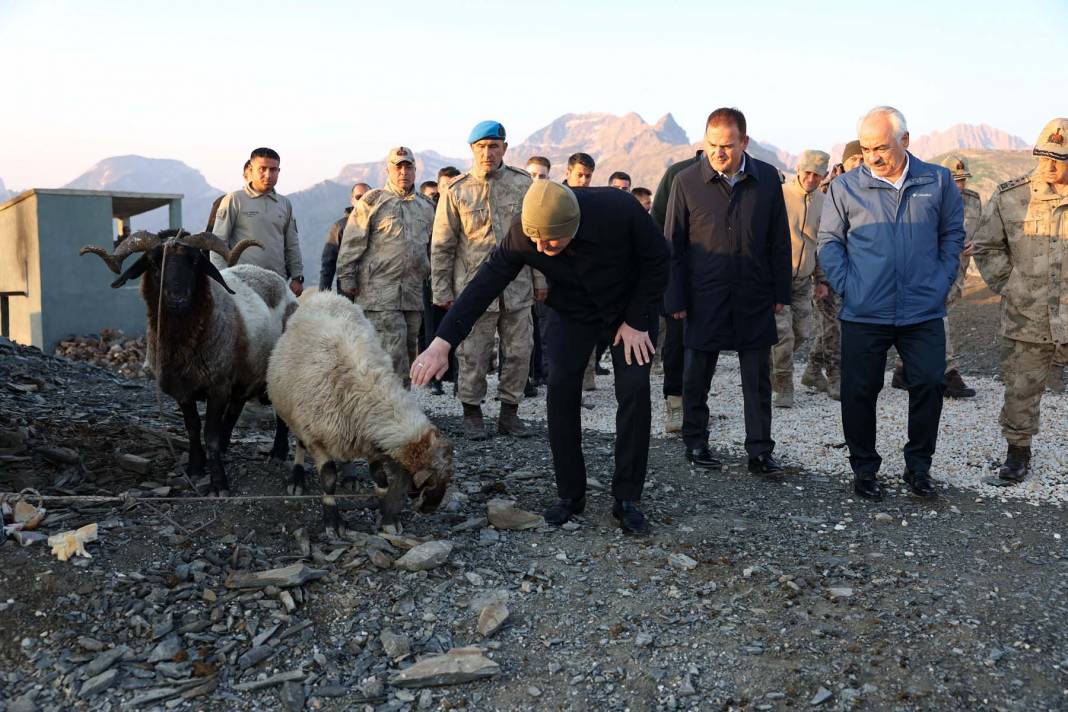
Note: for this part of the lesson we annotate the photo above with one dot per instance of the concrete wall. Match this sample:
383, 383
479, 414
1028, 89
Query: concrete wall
18, 226
75, 294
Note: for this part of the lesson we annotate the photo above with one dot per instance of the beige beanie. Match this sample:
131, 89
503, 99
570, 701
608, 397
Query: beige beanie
550, 211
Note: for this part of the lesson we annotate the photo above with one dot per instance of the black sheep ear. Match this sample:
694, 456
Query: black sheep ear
132, 272
216, 275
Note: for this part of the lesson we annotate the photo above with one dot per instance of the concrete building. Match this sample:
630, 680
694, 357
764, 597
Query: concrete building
48, 291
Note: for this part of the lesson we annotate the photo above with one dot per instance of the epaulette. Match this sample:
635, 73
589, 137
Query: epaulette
970, 193
374, 196
1014, 183
517, 171
462, 177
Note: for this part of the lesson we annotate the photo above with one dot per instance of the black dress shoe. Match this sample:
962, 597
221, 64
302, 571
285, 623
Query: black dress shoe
600, 370
764, 465
631, 519
867, 486
920, 483
701, 457
564, 509
530, 390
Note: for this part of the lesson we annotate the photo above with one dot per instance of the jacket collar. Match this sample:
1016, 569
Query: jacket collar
252, 193
1041, 190
919, 173
709, 174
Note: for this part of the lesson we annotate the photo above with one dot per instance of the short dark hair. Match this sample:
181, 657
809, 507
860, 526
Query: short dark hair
448, 172
618, 175
427, 184
248, 164
541, 161
357, 185
581, 158
264, 152
640, 192
725, 116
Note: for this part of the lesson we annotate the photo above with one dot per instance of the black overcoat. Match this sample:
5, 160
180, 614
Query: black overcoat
730, 256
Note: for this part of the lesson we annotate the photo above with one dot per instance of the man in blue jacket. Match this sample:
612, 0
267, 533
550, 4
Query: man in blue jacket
890, 240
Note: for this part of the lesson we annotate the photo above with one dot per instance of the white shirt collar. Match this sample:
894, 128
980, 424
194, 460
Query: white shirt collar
731, 180
900, 179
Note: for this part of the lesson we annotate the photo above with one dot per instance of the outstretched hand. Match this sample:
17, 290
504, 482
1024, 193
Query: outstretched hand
636, 344
432, 363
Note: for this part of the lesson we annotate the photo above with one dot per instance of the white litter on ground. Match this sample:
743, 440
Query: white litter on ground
809, 435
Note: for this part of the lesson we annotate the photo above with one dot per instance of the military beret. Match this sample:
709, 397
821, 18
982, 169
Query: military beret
487, 129
1053, 141
814, 161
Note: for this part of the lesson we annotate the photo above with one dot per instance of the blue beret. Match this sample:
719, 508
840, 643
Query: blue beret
486, 129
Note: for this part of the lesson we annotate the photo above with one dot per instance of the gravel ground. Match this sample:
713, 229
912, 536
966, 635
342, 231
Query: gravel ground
752, 594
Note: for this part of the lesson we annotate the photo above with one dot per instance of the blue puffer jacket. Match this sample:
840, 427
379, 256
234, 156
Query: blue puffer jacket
892, 255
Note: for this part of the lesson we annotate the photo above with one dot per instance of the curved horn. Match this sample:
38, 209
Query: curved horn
140, 241
208, 241
235, 254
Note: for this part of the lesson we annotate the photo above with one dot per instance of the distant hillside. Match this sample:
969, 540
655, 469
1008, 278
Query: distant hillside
956, 138
139, 174
617, 143
989, 168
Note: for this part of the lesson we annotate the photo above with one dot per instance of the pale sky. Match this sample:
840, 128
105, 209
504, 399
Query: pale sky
328, 83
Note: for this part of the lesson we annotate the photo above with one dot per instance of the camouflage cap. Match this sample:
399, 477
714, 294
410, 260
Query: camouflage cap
1053, 141
550, 211
814, 161
956, 166
400, 154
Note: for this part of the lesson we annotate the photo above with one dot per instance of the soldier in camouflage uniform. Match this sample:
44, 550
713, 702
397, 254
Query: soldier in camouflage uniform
823, 372
973, 211
474, 214
383, 258
804, 204
1021, 249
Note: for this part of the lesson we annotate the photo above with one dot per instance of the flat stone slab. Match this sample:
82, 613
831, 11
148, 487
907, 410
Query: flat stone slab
455, 667
292, 575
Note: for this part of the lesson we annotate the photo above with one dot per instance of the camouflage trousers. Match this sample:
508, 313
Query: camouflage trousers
826, 351
399, 333
516, 329
794, 325
1024, 366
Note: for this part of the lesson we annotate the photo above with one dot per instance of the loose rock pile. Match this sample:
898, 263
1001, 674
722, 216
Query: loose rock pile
111, 350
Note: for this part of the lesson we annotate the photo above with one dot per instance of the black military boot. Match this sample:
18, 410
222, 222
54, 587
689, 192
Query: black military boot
956, 387
474, 426
1017, 464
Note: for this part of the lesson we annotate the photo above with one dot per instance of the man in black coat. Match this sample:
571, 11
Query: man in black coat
606, 264
730, 275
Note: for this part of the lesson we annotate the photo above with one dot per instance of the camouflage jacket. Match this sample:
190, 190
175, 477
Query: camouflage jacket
474, 215
383, 250
1021, 249
973, 213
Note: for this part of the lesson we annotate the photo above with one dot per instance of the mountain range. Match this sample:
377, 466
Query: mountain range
626, 143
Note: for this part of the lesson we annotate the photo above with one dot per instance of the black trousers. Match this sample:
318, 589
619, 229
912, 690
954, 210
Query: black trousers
538, 370
923, 350
432, 316
568, 346
673, 354
755, 366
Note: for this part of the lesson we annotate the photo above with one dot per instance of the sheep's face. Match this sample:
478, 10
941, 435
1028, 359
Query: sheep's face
430, 483
177, 269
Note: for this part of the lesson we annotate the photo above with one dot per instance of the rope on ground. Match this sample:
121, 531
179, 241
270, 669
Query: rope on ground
126, 498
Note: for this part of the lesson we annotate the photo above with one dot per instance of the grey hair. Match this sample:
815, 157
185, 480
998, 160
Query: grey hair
896, 118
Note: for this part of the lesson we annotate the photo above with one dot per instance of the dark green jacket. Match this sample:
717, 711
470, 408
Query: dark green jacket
663, 189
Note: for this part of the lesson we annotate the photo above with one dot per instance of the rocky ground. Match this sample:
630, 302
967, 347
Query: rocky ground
751, 594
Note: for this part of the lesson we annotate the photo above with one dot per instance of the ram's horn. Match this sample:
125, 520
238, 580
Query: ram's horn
208, 241
140, 241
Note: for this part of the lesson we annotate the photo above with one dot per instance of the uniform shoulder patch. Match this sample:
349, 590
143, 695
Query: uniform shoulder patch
970, 193
1014, 183
517, 171
459, 179
374, 196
